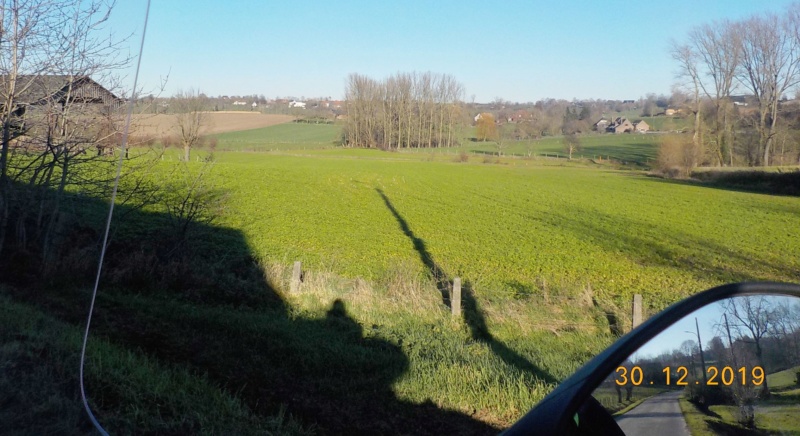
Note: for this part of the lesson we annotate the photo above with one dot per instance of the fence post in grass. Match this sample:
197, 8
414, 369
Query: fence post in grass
294, 286
637, 310
455, 297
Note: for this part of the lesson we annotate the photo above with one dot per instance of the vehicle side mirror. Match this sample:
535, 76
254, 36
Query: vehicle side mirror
727, 353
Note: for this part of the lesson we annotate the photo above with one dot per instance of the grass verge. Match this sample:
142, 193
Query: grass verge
130, 393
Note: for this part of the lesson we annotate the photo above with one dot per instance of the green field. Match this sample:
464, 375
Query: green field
636, 149
549, 252
281, 136
509, 229
630, 149
776, 415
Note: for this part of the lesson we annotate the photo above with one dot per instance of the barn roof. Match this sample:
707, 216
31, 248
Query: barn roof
41, 89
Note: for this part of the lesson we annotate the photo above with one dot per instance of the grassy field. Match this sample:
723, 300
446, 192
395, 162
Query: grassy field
550, 253
513, 231
783, 379
285, 136
40, 394
636, 149
777, 415
631, 149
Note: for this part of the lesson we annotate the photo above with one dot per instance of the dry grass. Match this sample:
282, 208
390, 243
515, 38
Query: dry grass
218, 122
401, 290
404, 291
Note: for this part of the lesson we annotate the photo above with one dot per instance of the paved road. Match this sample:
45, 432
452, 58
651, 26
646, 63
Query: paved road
656, 416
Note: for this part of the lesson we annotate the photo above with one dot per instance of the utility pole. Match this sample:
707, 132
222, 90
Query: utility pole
700, 344
730, 341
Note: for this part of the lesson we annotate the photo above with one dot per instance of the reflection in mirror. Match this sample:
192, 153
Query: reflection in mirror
731, 367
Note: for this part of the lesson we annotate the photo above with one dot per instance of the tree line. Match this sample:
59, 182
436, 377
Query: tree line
737, 75
406, 110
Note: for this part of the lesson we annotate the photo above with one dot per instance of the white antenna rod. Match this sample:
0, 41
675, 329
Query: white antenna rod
131, 103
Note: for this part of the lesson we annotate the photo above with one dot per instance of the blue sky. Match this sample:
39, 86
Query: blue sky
709, 321
516, 50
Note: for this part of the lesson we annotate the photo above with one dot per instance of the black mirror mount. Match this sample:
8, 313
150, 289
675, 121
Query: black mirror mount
556, 413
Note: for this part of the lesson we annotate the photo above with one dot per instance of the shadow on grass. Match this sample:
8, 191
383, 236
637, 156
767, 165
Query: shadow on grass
755, 182
224, 321
659, 246
724, 428
473, 315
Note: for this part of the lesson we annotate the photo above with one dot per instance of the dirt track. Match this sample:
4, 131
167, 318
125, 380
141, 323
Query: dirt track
217, 122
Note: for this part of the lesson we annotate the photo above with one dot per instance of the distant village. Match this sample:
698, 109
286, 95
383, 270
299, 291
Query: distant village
545, 117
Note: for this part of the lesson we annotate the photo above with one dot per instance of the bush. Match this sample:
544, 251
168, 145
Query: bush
677, 156
462, 157
169, 141
704, 396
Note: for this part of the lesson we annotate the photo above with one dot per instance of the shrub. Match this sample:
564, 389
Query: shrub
677, 156
211, 143
169, 141
704, 396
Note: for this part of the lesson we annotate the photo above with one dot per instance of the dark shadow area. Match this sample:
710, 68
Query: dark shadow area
659, 246
521, 290
614, 326
703, 408
443, 283
757, 182
209, 309
724, 428
485, 153
630, 415
473, 315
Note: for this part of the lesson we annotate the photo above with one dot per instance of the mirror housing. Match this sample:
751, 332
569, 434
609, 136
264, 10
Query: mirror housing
555, 413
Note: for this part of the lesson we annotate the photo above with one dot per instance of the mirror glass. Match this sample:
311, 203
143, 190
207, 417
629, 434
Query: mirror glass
732, 367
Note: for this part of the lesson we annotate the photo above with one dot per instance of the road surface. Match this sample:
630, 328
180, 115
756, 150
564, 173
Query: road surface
656, 416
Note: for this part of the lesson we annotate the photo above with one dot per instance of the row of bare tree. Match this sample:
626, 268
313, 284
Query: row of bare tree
758, 56
407, 110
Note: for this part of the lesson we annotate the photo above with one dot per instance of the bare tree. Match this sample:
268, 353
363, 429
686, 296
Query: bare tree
190, 198
718, 51
191, 118
571, 144
402, 111
690, 79
486, 128
770, 66
753, 319
50, 52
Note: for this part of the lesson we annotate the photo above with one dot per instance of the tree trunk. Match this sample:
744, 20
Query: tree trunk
5, 187
186, 150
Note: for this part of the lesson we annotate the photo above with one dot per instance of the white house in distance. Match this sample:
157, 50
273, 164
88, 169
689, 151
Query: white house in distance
298, 104
239, 103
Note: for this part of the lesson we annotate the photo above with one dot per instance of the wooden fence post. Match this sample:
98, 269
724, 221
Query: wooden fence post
455, 297
637, 310
294, 286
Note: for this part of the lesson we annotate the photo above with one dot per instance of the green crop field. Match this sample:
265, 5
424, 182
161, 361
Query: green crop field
629, 148
549, 253
509, 229
281, 136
